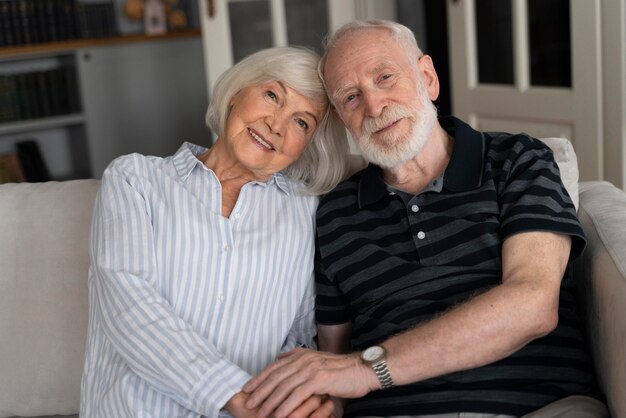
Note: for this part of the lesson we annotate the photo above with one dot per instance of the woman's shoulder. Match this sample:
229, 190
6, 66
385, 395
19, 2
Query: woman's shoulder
136, 164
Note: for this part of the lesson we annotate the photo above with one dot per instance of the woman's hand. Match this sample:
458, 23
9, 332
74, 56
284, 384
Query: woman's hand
236, 406
313, 407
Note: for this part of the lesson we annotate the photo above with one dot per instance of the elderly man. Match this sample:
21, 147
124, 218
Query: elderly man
442, 268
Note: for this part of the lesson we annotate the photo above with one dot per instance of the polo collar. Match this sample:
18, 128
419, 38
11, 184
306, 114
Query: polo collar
464, 171
185, 161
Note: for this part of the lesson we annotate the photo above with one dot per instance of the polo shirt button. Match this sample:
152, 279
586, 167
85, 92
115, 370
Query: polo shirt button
415, 208
226, 248
421, 235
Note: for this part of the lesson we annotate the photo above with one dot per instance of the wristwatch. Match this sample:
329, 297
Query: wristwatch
375, 357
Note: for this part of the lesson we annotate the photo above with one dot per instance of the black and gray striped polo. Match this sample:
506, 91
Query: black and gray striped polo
386, 263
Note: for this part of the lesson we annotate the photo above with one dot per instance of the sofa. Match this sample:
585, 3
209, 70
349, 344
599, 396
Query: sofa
44, 260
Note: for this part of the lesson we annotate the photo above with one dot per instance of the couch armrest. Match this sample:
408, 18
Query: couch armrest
601, 275
44, 260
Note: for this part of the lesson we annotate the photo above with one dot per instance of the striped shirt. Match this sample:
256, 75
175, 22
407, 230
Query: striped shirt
386, 262
185, 304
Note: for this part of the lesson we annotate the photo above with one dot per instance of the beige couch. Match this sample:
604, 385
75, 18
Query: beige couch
44, 233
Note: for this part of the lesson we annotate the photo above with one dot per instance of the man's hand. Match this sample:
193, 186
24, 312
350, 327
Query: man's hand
301, 373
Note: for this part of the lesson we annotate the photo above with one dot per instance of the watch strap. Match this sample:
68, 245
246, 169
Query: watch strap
382, 373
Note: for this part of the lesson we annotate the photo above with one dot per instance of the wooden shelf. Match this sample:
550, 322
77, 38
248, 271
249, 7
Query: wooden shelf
30, 125
71, 45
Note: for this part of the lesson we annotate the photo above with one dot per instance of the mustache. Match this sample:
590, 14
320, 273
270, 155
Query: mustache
389, 115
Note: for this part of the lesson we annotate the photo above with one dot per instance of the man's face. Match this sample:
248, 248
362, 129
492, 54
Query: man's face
379, 93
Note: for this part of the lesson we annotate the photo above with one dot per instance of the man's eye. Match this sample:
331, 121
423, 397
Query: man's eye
271, 95
350, 98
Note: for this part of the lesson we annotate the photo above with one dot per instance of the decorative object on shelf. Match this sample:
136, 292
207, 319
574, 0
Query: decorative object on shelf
175, 14
32, 162
133, 9
11, 169
154, 19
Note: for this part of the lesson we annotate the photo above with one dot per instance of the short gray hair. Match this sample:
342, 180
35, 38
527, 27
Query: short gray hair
324, 163
403, 35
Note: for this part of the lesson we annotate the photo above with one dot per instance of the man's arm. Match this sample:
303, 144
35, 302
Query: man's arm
334, 338
486, 328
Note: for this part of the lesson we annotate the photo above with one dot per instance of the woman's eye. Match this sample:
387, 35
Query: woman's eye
302, 123
271, 95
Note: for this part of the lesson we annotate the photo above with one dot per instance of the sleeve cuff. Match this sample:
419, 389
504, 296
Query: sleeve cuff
216, 388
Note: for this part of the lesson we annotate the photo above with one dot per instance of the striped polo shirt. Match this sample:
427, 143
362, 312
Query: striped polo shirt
385, 263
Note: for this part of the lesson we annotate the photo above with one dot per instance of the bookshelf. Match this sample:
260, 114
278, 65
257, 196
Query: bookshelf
123, 94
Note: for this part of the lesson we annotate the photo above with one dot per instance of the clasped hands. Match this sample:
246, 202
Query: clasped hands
291, 386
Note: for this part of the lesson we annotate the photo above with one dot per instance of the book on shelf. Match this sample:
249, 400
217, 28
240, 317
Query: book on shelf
32, 162
24, 22
11, 169
39, 94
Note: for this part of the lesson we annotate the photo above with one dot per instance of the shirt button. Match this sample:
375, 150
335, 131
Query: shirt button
237, 215
421, 235
226, 248
220, 298
415, 208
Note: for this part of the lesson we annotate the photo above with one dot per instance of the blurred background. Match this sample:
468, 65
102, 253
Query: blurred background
82, 82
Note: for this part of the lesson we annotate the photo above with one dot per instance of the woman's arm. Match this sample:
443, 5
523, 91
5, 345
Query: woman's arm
159, 346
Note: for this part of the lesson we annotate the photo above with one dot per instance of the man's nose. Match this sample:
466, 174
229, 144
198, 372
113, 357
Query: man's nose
374, 104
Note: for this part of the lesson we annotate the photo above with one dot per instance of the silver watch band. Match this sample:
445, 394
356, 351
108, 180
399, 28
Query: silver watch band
383, 375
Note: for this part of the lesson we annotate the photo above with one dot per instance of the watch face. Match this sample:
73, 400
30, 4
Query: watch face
373, 353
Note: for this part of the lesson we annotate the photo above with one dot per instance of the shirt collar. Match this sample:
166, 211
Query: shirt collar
186, 159
464, 171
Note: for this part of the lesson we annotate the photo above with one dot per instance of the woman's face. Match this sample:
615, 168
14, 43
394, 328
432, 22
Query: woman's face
269, 126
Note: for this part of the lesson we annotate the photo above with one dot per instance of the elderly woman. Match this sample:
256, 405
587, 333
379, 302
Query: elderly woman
202, 262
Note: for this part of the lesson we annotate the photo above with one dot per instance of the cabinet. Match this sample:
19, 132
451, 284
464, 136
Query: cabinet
132, 93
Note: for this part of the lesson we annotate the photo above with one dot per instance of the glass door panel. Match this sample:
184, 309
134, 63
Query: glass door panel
250, 27
494, 39
307, 22
549, 43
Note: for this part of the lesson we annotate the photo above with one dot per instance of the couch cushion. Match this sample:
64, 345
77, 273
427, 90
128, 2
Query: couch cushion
565, 158
44, 231
601, 273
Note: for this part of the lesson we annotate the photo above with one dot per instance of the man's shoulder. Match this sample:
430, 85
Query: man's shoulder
516, 142
346, 188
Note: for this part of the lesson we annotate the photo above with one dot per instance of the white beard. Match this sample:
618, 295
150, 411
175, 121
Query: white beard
389, 150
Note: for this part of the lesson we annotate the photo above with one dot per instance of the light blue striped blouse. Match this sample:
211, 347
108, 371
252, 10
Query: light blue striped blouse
186, 305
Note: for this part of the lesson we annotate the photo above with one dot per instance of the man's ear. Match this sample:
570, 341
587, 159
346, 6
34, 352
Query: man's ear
427, 69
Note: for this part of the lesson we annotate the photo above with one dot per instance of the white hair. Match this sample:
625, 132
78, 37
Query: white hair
324, 162
403, 35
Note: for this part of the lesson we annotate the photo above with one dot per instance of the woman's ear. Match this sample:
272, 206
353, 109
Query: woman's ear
427, 70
